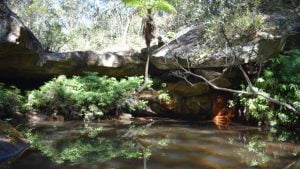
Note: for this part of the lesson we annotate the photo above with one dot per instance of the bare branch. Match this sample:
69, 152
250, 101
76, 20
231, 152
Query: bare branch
253, 89
212, 84
290, 165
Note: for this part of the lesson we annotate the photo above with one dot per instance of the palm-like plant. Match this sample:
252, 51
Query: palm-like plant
146, 8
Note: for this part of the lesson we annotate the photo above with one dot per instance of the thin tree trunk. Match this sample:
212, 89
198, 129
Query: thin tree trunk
129, 18
147, 65
148, 35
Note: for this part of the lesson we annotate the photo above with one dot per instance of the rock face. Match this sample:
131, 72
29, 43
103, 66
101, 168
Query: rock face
11, 142
26, 65
185, 50
23, 57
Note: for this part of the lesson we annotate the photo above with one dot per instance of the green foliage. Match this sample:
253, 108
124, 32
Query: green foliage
44, 20
143, 5
163, 96
281, 80
243, 24
86, 97
289, 63
52, 36
10, 101
74, 24
84, 25
256, 151
94, 25
238, 19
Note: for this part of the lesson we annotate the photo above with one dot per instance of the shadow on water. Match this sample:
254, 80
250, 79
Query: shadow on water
157, 145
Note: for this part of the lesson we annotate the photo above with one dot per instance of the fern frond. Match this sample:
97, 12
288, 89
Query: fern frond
135, 3
164, 6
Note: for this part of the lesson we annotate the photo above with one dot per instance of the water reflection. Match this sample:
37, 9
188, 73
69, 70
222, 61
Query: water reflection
90, 143
265, 149
160, 145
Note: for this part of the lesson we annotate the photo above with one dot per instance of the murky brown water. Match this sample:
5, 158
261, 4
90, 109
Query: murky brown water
163, 144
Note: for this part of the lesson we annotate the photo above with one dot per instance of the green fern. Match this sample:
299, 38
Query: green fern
164, 6
134, 3
161, 5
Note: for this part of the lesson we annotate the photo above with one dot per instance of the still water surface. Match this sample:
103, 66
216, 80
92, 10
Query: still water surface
162, 144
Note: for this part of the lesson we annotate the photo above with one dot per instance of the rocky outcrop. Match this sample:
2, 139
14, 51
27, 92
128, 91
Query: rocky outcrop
12, 31
23, 57
11, 142
48, 65
185, 50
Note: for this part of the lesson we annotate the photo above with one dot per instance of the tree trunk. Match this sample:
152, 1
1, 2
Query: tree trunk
126, 30
147, 65
149, 28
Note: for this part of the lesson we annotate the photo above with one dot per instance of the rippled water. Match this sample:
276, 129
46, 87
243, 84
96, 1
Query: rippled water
161, 144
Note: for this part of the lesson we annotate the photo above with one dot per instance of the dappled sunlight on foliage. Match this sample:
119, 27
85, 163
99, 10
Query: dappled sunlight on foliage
259, 149
86, 97
280, 79
11, 101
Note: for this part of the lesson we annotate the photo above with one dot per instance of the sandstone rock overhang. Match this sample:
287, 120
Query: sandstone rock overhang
23, 57
186, 50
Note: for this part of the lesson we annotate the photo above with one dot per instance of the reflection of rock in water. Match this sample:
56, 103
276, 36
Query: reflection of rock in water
11, 142
34, 117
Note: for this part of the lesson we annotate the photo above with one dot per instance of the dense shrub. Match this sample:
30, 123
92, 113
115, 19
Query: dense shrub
10, 101
86, 97
281, 80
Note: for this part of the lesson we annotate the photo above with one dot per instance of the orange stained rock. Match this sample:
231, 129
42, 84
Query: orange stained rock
222, 114
169, 105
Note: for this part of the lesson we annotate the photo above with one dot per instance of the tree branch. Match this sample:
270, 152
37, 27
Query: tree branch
252, 88
186, 71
